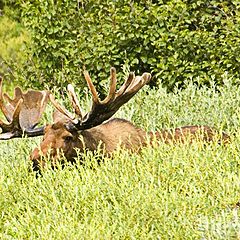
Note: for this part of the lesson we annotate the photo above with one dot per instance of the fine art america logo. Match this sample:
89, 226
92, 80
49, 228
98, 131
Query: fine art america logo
224, 226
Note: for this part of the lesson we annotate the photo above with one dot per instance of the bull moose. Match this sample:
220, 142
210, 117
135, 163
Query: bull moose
69, 131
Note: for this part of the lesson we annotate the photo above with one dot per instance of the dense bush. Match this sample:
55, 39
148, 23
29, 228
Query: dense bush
11, 8
176, 40
12, 44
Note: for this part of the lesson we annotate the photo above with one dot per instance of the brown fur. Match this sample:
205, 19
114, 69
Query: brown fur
108, 136
190, 133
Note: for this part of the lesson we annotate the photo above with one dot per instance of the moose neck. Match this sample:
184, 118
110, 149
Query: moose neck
113, 134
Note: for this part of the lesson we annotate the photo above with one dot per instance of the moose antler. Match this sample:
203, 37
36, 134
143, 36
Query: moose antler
102, 110
22, 113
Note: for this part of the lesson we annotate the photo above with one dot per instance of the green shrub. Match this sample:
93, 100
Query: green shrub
11, 8
12, 44
176, 40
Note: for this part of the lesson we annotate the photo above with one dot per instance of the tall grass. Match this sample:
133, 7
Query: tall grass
183, 191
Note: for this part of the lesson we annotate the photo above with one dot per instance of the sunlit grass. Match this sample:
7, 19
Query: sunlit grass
165, 192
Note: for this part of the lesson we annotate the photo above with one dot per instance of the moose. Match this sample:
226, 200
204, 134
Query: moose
91, 131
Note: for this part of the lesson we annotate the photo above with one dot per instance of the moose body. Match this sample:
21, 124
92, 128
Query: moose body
91, 131
108, 137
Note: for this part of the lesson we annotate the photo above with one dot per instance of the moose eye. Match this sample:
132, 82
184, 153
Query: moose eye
68, 138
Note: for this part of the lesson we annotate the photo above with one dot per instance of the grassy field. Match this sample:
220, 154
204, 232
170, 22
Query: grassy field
184, 191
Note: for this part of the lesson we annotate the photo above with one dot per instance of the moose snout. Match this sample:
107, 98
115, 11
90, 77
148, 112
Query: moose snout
39, 156
37, 160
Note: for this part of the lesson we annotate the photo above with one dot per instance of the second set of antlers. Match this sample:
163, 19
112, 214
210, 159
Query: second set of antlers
23, 112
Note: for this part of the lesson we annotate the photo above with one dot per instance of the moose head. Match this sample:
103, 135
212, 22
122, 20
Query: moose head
70, 131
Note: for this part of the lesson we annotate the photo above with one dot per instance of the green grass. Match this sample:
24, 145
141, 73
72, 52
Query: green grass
165, 192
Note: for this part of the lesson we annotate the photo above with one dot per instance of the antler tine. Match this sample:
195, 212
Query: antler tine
91, 87
44, 100
5, 112
60, 108
74, 101
126, 84
112, 88
16, 113
138, 82
1, 80
17, 95
13, 129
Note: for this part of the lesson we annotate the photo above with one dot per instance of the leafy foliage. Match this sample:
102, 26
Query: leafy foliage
176, 40
11, 8
13, 38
